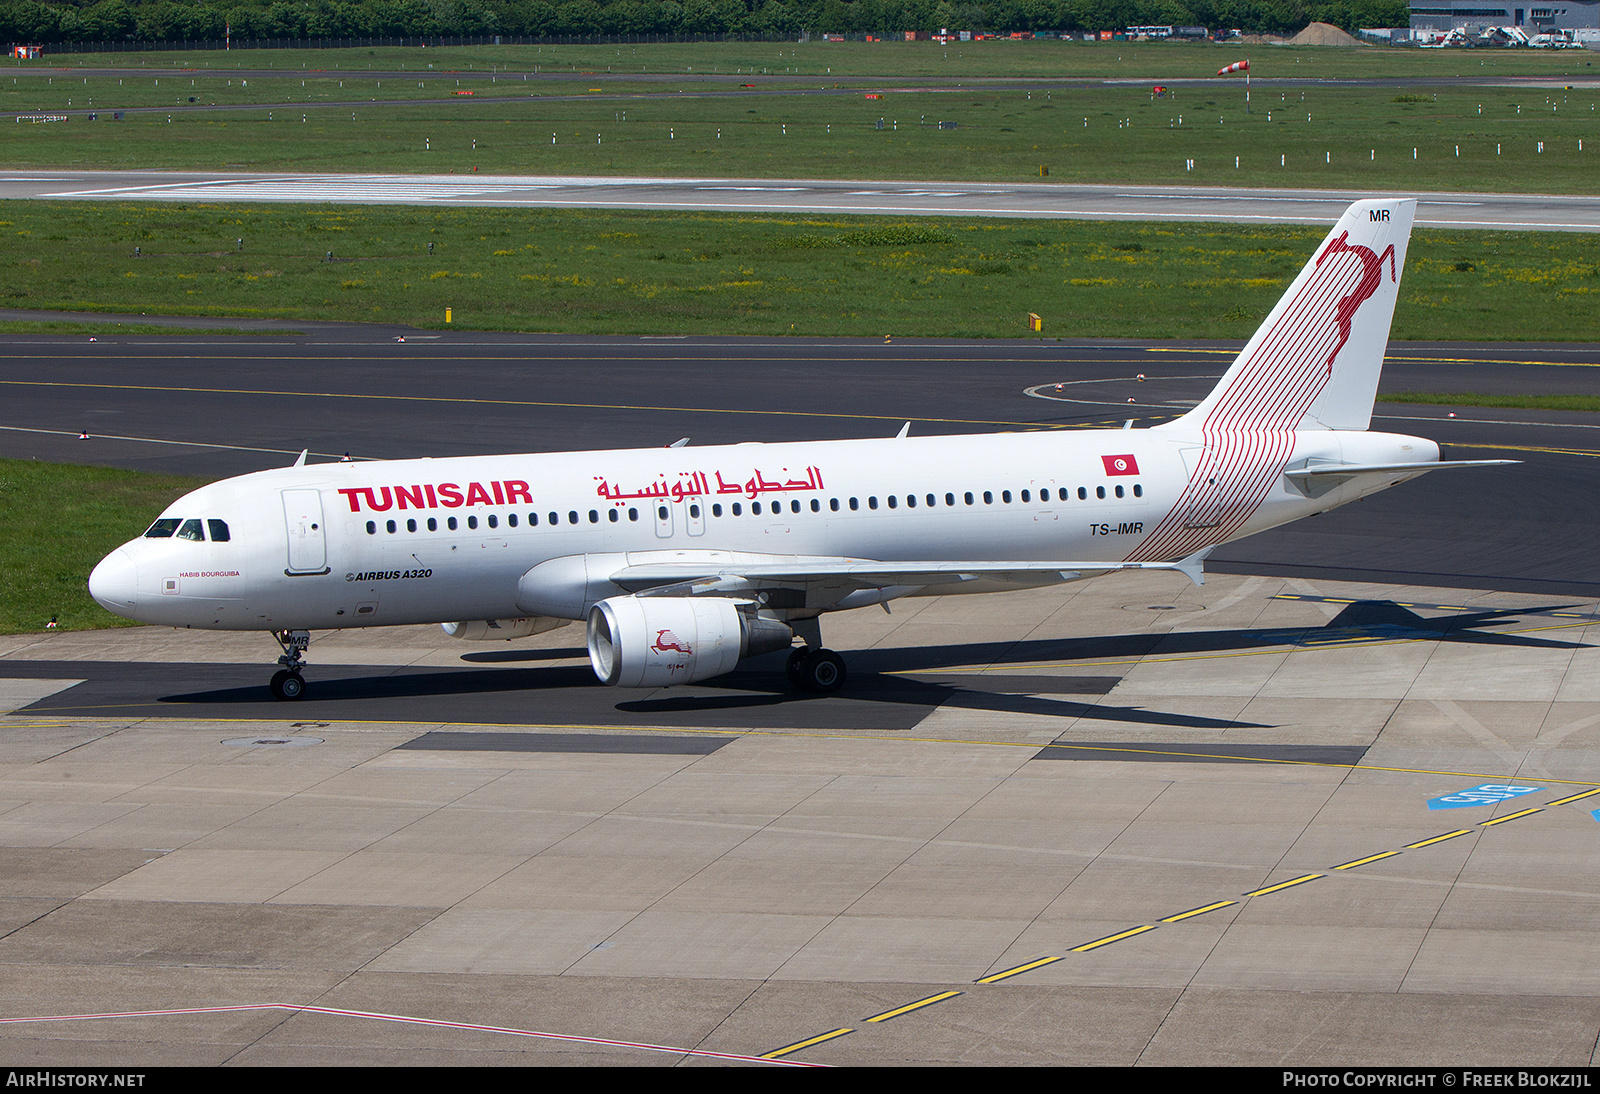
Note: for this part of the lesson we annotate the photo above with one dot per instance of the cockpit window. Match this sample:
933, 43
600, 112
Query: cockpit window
191, 530
218, 530
163, 528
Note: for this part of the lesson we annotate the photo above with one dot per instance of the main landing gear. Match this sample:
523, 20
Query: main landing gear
287, 683
817, 670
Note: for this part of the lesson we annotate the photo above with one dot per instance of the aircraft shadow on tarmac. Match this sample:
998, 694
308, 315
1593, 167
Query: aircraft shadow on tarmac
903, 684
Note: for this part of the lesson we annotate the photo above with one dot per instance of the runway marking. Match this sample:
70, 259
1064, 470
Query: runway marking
918, 1005
1279, 887
1110, 938
1284, 885
1202, 910
1363, 861
1399, 357
1437, 839
1512, 816
995, 978
161, 440
779, 1053
1521, 447
1575, 797
521, 402
339, 1012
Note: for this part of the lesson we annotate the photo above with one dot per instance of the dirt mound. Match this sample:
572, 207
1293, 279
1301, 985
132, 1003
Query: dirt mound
1322, 34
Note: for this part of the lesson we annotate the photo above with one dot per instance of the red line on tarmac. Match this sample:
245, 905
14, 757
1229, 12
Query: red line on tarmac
407, 1020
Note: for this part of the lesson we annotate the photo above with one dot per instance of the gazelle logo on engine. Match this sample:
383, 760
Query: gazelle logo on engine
667, 642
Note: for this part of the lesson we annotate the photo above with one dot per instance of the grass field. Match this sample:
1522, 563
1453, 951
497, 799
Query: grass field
665, 273
1039, 59
102, 327
1483, 139
1474, 398
60, 521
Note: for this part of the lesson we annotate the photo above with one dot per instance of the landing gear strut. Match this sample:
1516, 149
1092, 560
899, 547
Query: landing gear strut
817, 670
287, 683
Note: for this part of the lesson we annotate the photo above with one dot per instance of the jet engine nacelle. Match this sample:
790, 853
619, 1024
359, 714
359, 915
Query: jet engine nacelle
488, 630
643, 642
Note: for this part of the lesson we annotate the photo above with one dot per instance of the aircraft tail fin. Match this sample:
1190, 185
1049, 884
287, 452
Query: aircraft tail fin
1315, 362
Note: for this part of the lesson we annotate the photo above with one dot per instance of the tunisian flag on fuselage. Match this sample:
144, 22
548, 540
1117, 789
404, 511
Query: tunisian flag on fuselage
1120, 465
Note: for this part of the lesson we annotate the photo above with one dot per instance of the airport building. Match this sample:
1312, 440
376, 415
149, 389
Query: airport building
1580, 17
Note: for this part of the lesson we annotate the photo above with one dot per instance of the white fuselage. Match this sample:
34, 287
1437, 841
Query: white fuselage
439, 540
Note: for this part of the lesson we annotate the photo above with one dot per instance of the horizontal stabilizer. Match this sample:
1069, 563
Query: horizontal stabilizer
1320, 470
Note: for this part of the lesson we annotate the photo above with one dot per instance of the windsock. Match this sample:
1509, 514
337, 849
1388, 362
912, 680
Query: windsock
1237, 66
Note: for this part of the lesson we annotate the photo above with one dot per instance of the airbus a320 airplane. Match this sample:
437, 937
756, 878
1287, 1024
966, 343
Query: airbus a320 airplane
683, 561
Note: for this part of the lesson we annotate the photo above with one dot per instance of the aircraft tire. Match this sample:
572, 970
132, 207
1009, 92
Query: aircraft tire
824, 672
287, 685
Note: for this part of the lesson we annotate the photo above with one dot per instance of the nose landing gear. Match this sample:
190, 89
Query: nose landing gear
287, 683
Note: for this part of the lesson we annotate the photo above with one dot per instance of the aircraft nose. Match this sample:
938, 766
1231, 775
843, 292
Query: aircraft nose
114, 584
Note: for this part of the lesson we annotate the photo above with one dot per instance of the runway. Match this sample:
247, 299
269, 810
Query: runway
221, 406
1119, 822
1522, 212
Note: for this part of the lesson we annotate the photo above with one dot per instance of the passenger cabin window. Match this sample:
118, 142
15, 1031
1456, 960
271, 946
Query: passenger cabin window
218, 530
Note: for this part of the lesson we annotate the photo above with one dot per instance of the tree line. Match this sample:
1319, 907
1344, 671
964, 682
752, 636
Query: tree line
51, 21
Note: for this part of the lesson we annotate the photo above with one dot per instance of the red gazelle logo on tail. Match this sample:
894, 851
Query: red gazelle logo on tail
1371, 278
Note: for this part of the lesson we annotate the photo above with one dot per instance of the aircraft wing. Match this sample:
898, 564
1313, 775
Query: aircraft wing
690, 578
